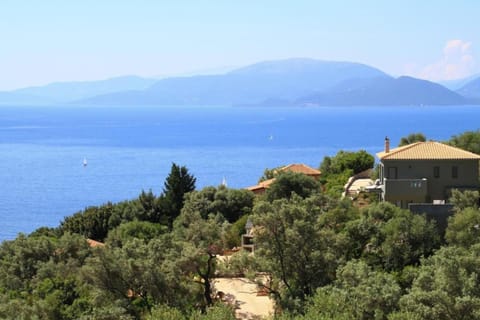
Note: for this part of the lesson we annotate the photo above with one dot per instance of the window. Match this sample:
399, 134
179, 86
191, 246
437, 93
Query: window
454, 172
392, 173
436, 172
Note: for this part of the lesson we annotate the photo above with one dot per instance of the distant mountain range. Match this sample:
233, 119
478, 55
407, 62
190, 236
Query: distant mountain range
293, 82
66, 92
471, 89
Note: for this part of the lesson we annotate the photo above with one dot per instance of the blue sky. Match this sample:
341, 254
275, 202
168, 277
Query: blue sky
46, 41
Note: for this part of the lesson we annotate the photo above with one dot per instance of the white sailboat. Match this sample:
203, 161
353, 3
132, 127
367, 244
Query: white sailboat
85, 162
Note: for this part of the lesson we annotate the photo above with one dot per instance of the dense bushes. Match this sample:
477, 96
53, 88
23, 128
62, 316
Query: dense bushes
323, 258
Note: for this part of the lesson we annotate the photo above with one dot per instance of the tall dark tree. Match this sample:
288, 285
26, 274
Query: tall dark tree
178, 183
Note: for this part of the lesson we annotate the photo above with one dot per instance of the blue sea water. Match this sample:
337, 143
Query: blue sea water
130, 149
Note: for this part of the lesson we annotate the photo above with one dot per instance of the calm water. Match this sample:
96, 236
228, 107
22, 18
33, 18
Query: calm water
128, 149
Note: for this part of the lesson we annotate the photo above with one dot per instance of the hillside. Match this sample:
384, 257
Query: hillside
61, 92
385, 91
471, 89
290, 82
282, 80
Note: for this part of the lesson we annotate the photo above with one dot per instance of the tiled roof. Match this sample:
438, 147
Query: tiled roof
262, 185
92, 243
296, 167
301, 168
430, 150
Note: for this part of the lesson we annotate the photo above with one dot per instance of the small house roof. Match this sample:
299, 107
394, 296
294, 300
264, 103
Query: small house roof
295, 167
93, 243
301, 168
429, 150
262, 185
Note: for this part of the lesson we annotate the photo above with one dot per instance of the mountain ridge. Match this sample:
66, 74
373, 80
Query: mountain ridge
293, 82
471, 89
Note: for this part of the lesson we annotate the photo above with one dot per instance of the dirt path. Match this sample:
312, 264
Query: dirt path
243, 293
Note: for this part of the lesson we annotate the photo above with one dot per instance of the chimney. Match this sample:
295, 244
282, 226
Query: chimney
387, 145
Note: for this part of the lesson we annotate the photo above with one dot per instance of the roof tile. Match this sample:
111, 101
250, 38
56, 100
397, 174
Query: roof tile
430, 150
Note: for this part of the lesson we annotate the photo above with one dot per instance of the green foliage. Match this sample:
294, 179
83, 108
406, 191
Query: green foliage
135, 230
165, 313
216, 312
412, 138
92, 223
390, 237
178, 183
150, 207
358, 293
469, 140
269, 174
38, 277
447, 286
464, 228
346, 160
334, 183
336, 170
294, 249
230, 203
232, 236
324, 258
464, 199
288, 183
199, 241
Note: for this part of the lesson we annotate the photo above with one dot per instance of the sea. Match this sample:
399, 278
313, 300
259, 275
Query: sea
58, 160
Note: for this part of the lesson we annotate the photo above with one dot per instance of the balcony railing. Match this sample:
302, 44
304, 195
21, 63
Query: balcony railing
405, 187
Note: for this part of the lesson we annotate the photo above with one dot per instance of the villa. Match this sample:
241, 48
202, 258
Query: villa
425, 172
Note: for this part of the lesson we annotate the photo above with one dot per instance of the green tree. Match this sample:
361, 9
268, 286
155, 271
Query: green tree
230, 203
150, 207
200, 241
288, 183
464, 199
469, 140
294, 249
137, 276
269, 174
336, 170
358, 293
390, 237
446, 287
92, 223
178, 183
38, 277
412, 138
344, 160
464, 228
135, 230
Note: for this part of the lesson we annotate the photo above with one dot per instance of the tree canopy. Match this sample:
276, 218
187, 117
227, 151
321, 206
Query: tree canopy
347, 160
178, 183
412, 138
469, 140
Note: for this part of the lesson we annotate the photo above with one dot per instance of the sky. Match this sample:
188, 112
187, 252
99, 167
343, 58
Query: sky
56, 40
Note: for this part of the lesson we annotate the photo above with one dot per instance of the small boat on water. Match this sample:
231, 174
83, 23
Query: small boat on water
85, 162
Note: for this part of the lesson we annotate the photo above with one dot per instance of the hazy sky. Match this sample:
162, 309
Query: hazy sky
46, 41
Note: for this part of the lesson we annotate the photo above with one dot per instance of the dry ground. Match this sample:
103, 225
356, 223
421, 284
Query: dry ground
242, 292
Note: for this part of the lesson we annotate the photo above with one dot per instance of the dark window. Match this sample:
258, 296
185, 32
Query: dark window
392, 173
436, 172
454, 172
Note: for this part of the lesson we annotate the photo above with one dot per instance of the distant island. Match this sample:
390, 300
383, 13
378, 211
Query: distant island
291, 82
